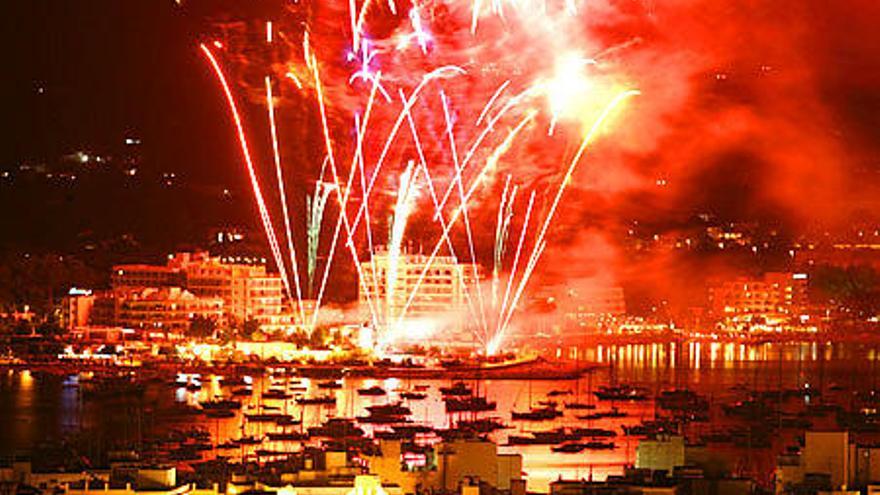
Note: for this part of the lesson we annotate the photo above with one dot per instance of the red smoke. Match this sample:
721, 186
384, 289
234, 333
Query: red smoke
750, 111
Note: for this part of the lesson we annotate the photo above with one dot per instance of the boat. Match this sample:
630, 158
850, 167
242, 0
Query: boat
554, 436
548, 403
252, 440
484, 425
682, 400
382, 419
457, 388
599, 445
276, 394
521, 440
242, 392
330, 385
395, 409
578, 405
265, 417
569, 448
413, 395
650, 428
612, 413
537, 414
470, 403
283, 436
373, 391
557, 393
593, 432
326, 400
287, 420
546, 437
337, 428
220, 413
621, 392
221, 404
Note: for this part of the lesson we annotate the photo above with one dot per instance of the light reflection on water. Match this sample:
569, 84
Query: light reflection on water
37, 406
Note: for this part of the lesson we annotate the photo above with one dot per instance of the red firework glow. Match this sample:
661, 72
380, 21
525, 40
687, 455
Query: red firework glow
493, 93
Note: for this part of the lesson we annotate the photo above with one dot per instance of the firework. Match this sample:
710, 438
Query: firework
487, 89
315, 217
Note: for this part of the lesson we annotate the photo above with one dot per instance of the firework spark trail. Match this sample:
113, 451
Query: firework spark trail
490, 126
342, 198
242, 139
492, 161
539, 250
421, 36
292, 76
496, 254
364, 73
466, 216
475, 15
368, 230
355, 23
492, 101
435, 74
502, 225
403, 207
458, 211
540, 243
314, 219
276, 154
496, 339
425, 169
358, 18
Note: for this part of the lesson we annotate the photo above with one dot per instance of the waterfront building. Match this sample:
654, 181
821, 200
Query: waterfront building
143, 275
189, 282
408, 291
76, 308
248, 291
588, 309
169, 309
773, 293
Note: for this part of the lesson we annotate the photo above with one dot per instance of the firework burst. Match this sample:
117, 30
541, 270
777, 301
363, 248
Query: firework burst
486, 89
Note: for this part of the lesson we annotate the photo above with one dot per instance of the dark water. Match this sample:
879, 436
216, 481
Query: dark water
38, 407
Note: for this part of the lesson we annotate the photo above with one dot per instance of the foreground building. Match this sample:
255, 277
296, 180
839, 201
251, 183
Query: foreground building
830, 461
446, 466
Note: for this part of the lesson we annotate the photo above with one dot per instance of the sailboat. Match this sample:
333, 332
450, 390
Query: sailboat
577, 404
